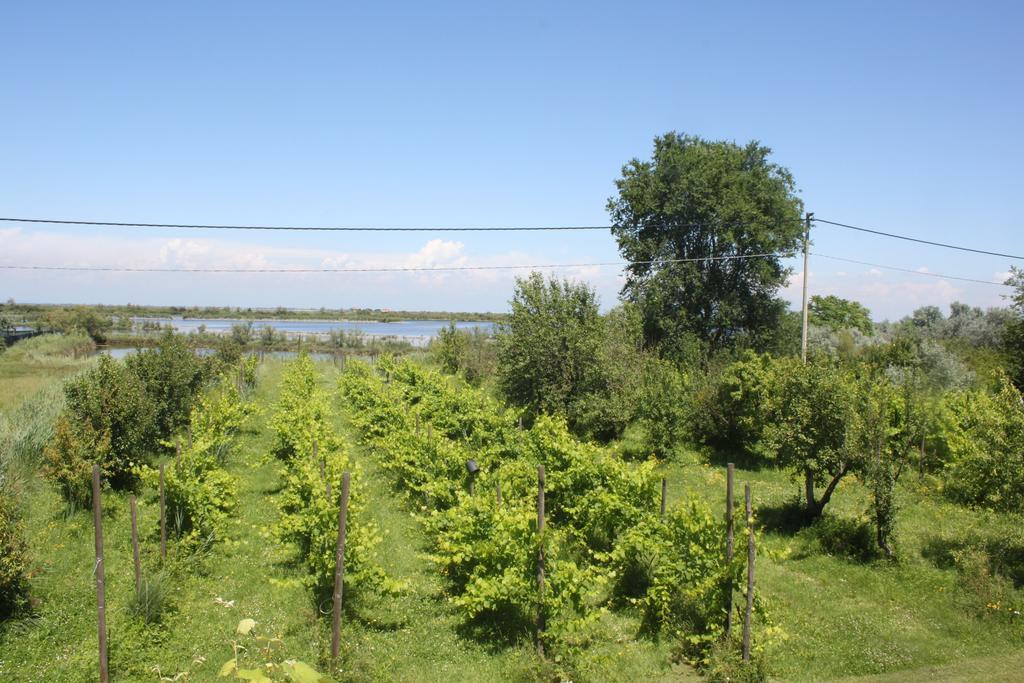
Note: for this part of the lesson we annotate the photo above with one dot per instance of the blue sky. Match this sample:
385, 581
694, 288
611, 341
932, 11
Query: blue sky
900, 116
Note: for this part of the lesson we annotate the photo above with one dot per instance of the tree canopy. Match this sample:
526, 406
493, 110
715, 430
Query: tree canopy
711, 201
839, 314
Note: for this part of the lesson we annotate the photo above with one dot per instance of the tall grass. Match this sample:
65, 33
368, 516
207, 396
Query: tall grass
25, 430
48, 348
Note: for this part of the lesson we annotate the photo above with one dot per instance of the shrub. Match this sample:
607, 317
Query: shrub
108, 419
853, 538
172, 376
13, 557
982, 441
69, 457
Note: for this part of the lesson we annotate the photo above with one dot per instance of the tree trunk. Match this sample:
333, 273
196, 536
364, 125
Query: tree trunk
809, 489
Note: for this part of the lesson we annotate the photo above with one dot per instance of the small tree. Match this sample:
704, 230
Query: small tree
809, 414
548, 347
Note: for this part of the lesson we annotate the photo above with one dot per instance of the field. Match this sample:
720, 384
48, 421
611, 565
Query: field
832, 617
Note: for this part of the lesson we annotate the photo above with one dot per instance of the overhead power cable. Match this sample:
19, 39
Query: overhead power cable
189, 226
916, 239
400, 269
353, 228
908, 270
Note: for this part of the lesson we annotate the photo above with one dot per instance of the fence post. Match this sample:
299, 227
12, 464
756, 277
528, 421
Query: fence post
540, 559
664, 491
339, 569
750, 576
498, 489
135, 547
101, 598
729, 474
177, 453
163, 518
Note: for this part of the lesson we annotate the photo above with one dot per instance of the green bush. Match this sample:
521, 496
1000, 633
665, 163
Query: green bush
13, 557
982, 442
847, 537
172, 376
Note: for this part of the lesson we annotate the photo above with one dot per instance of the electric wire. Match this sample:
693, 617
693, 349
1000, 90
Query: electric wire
918, 240
399, 269
308, 228
908, 270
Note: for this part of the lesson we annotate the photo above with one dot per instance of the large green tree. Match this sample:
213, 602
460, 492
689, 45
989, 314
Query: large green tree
711, 201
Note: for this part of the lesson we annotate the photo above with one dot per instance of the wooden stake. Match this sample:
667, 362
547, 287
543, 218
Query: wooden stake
664, 492
177, 453
540, 558
339, 569
135, 546
750, 576
101, 598
190, 436
729, 474
163, 518
498, 489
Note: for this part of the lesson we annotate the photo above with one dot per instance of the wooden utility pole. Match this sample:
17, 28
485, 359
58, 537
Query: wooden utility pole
750, 575
339, 568
101, 592
540, 559
135, 547
163, 517
807, 244
729, 474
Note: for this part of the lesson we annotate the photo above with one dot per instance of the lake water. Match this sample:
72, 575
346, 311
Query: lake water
417, 332
123, 351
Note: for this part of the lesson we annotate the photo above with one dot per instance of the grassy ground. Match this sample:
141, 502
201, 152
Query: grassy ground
841, 617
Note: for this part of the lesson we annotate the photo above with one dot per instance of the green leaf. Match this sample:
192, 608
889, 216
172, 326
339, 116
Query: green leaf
228, 668
253, 675
302, 672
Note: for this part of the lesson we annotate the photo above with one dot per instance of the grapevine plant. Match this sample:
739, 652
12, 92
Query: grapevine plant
604, 543
314, 461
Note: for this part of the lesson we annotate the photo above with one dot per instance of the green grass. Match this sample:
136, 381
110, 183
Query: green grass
29, 365
840, 617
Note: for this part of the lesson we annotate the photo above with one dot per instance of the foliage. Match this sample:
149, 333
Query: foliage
108, 419
428, 428
548, 347
704, 200
982, 442
315, 462
172, 376
846, 537
672, 570
1013, 341
300, 417
840, 314
13, 556
80, 319
469, 353
256, 658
